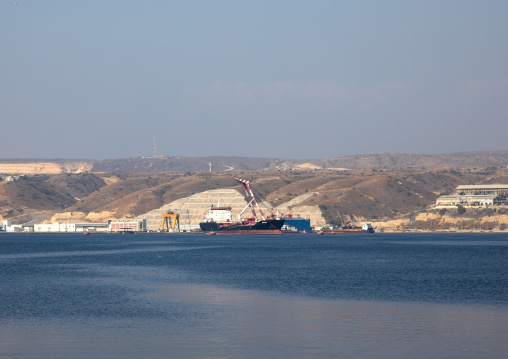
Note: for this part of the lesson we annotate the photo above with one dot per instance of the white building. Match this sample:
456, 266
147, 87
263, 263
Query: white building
8, 227
10, 178
6, 223
476, 195
54, 227
14, 228
470, 200
59, 227
482, 189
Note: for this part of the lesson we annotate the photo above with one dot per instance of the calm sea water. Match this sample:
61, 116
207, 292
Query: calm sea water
290, 296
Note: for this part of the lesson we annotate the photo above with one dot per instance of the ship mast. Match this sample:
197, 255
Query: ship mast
250, 197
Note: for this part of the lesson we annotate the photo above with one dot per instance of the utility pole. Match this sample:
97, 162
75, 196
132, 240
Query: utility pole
146, 217
59, 204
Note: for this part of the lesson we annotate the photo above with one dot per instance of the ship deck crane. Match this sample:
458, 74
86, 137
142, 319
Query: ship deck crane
250, 198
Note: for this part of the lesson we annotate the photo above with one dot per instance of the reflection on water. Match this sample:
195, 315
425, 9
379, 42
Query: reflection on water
157, 249
454, 243
217, 323
286, 298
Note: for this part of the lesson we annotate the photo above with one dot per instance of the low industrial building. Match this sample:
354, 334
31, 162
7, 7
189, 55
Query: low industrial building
10, 178
482, 189
470, 200
127, 225
116, 226
60, 227
476, 195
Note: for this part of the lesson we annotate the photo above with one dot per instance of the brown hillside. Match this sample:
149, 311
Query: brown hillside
31, 195
368, 194
415, 161
77, 185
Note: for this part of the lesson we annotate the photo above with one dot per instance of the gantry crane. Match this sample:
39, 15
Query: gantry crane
170, 220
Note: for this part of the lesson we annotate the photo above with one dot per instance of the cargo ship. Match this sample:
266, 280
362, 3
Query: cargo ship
219, 219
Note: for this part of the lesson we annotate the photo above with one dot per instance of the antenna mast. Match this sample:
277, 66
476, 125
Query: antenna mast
154, 148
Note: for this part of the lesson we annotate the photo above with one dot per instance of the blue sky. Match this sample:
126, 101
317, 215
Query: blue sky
287, 79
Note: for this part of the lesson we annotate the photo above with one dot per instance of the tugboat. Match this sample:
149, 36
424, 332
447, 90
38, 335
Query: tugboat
219, 219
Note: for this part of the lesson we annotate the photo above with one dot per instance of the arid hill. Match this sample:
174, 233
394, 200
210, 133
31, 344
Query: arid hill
41, 196
341, 195
471, 160
417, 161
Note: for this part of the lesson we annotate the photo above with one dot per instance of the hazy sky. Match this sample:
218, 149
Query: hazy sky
289, 79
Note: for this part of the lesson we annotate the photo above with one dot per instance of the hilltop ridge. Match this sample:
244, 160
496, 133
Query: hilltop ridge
465, 160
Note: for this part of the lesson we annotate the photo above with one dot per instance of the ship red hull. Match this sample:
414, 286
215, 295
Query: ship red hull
269, 226
361, 231
259, 231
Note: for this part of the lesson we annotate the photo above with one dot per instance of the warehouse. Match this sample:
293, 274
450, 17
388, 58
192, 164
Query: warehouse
497, 189
476, 195
470, 200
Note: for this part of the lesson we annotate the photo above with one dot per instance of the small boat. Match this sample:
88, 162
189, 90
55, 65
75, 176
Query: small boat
211, 233
86, 233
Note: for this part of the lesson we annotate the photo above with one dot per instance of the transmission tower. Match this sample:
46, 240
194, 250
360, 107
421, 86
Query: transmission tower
154, 147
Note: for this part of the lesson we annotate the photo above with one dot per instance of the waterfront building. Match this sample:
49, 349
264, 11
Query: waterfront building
54, 227
127, 225
59, 227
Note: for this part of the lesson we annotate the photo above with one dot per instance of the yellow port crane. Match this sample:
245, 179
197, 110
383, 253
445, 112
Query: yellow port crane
170, 220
